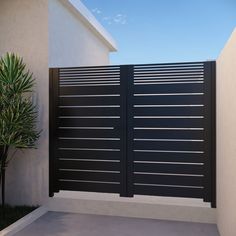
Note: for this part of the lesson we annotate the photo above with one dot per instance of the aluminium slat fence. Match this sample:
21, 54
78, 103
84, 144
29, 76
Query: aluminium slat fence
134, 129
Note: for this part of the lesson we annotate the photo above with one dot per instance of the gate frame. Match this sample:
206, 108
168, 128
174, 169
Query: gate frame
53, 111
127, 86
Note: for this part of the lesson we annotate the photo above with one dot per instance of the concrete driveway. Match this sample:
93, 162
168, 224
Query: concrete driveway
66, 224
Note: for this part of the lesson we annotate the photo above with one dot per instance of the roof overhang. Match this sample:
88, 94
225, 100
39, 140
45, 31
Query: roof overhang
88, 18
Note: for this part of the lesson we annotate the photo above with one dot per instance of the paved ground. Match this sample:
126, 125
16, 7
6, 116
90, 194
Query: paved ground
64, 224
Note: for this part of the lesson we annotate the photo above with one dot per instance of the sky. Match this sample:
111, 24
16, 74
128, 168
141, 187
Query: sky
155, 31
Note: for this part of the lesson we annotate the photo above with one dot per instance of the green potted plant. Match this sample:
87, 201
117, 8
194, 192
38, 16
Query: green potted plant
18, 115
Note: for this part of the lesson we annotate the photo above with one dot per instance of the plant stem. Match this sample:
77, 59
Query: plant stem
3, 172
3, 192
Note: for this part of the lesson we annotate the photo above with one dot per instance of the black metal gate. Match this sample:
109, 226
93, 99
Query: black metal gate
134, 129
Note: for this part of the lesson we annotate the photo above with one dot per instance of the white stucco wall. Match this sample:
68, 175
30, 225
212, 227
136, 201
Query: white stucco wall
61, 40
24, 30
226, 138
71, 41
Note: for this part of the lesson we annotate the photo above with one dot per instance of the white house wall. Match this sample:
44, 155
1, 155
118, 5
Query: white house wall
226, 138
71, 41
46, 33
24, 30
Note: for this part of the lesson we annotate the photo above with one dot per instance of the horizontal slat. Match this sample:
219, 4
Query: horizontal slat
89, 101
90, 90
153, 75
91, 187
174, 122
88, 122
168, 191
169, 157
167, 83
169, 88
89, 165
168, 111
158, 100
90, 111
89, 176
88, 133
85, 83
91, 72
70, 143
169, 168
198, 68
90, 68
167, 80
88, 154
168, 180
171, 146
183, 72
169, 134
87, 77
90, 81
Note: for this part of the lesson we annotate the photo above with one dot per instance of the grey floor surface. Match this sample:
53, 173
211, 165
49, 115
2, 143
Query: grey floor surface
64, 224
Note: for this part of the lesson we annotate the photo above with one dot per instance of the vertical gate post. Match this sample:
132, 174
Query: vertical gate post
213, 133
123, 136
210, 136
53, 107
126, 78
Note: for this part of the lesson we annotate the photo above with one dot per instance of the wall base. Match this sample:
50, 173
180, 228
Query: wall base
163, 208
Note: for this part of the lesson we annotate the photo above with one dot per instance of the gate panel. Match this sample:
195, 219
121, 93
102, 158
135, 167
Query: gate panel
170, 120
89, 132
